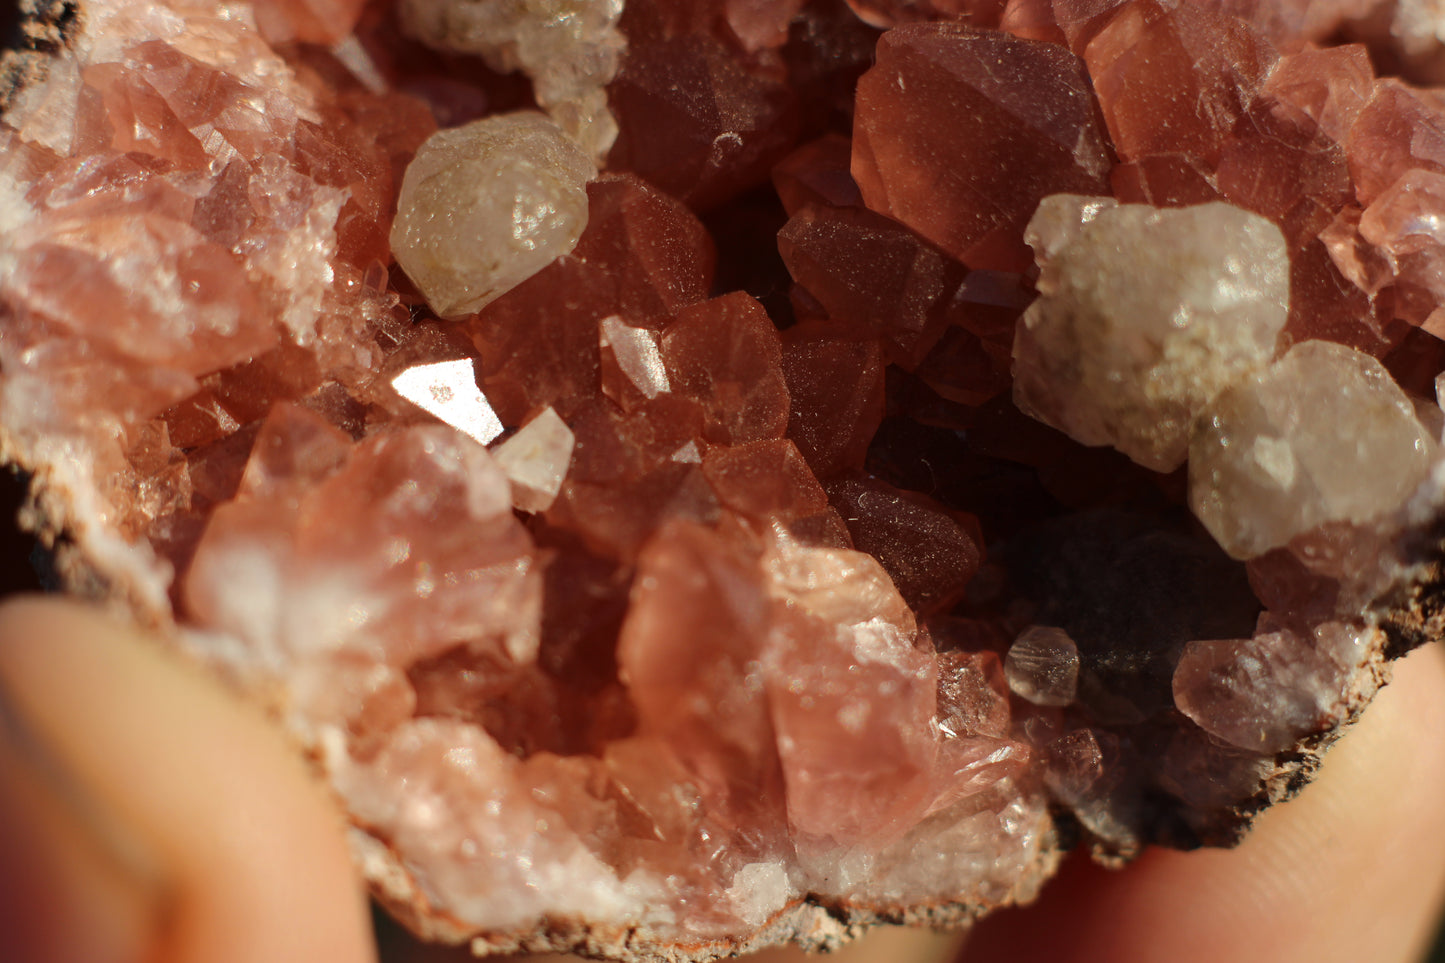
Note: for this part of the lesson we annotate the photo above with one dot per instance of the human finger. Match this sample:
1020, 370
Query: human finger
1352, 869
147, 815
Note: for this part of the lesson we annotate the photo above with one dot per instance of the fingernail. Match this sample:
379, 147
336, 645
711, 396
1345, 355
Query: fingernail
75, 884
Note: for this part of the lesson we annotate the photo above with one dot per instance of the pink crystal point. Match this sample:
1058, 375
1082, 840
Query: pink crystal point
725, 355
867, 270
693, 585
699, 117
951, 182
1174, 78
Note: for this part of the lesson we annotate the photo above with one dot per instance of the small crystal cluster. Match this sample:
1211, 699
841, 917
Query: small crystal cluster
569, 48
705, 474
1113, 361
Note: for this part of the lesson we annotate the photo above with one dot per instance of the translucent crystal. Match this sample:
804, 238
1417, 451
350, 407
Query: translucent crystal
535, 459
1263, 693
636, 355
448, 390
570, 49
1406, 226
1143, 315
485, 206
1324, 435
1075, 764
1043, 666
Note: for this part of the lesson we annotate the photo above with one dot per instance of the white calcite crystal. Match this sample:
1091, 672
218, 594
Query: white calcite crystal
535, 460
637, 354
1324, 435
448, 390
487, 205
1143, 315
570, 49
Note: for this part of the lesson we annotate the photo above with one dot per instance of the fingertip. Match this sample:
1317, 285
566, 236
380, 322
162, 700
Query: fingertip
1352, 869
246, 853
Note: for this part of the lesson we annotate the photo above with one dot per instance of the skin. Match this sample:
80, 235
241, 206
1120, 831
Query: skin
146, 815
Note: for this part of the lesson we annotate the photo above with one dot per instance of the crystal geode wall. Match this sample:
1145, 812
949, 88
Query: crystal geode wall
702, 474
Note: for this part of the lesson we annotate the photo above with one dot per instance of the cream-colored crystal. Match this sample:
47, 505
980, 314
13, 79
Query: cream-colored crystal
1143, 315
485, 206
570, 49
1324, 435
535, 460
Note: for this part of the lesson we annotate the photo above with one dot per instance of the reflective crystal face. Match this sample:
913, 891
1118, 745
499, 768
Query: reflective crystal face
700, 474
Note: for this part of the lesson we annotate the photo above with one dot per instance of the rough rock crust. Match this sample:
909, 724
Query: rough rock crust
45, 27
811, 924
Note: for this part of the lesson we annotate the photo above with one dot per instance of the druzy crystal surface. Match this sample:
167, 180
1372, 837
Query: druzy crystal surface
1144, 314
697, 475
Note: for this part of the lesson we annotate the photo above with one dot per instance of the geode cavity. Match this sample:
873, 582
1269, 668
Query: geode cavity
941, 435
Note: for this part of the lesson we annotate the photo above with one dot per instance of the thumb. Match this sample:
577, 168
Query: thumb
145, 815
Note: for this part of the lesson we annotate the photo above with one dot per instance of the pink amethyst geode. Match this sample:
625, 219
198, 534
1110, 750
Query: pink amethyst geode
708, 474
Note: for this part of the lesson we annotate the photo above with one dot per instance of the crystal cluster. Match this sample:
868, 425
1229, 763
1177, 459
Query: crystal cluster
1113, 361
1323, 436
569, 48
706, 474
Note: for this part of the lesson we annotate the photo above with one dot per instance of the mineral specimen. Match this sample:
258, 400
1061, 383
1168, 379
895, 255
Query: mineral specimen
1322, 436
1143, 316
569, 48
485, 206
932, 436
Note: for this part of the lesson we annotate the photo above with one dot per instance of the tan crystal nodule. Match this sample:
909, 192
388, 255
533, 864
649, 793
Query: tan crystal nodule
1322, 436
487, 205
1143, 316
570, 49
